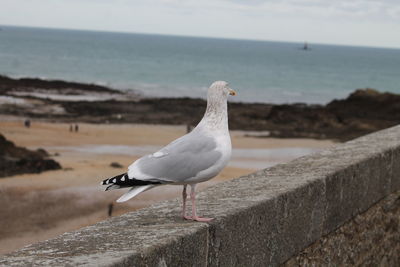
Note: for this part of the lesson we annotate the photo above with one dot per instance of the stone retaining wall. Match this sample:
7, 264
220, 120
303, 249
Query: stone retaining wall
371, 238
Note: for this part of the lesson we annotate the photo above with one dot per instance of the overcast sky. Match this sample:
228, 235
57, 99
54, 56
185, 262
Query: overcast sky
355, 22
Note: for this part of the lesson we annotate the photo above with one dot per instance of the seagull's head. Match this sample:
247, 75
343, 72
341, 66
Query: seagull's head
220, 89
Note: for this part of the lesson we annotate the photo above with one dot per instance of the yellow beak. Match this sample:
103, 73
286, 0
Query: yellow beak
232, 92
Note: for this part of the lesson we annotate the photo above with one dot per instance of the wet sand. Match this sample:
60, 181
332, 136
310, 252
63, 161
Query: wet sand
36, 207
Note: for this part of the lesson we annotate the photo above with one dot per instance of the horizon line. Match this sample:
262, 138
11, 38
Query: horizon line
199, 36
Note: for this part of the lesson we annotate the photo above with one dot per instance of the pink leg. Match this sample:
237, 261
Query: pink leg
193, 199
184, 196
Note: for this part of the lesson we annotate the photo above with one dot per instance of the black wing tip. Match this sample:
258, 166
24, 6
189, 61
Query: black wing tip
117, 179
123, 180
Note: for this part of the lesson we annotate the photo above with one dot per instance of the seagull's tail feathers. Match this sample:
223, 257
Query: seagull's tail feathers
134, 191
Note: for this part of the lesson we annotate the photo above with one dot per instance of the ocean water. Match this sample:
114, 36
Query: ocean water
171, 66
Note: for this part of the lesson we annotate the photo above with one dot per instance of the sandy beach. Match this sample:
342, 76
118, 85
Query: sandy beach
36, 207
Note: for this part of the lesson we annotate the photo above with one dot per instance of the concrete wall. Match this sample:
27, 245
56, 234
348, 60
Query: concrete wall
275, 216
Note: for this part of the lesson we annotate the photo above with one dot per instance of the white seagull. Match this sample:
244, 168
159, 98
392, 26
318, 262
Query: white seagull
191, 159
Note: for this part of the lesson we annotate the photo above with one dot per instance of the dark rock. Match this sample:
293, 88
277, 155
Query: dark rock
363, 112
42, 152
116, 165
31, 84
18, 160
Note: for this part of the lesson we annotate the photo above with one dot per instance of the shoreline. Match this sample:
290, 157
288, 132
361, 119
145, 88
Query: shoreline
363, 112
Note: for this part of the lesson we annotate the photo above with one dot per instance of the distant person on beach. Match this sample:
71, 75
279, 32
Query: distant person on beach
76, 128
27, 123
110, 209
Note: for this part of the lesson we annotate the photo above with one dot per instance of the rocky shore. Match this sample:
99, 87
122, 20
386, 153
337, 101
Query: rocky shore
17, 160
364, 111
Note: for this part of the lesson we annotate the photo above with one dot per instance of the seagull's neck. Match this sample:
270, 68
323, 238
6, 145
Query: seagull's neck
216, 116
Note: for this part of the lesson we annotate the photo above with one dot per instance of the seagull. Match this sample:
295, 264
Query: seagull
191, 159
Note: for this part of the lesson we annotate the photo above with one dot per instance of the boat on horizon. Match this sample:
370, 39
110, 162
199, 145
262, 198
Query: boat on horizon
305, 47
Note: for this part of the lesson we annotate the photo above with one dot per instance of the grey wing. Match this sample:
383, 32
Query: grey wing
180, 160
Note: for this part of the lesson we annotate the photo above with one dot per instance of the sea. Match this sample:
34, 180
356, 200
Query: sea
175, 66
